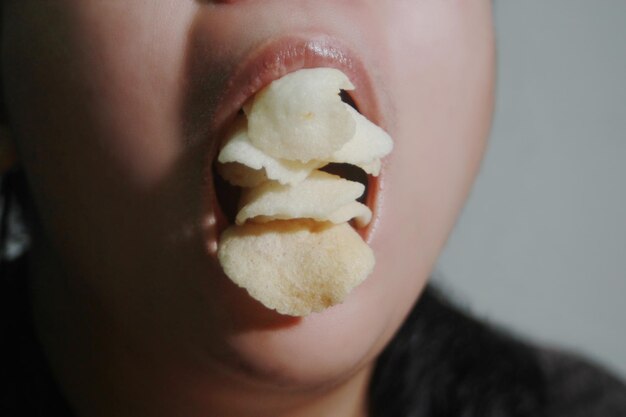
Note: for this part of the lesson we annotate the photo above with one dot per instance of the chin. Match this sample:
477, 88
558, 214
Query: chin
265, 348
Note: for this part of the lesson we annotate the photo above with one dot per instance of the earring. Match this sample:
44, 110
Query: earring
14, 236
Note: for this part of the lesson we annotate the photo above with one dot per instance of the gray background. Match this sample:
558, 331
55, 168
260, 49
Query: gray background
541, 245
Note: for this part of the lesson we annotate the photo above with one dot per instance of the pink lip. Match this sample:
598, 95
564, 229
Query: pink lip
277, 57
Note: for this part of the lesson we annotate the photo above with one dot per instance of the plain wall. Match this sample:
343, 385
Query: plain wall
541, 245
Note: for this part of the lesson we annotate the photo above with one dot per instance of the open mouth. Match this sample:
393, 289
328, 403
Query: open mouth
293, 182
271, 61
228, 196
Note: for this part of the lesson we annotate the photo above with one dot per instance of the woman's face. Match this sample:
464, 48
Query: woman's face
117, 107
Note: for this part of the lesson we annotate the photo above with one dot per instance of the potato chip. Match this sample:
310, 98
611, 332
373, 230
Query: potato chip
361, 214
292, 248
317, 197
301, 116
372, 168
238, 149
295, 267
369, 144
241, 175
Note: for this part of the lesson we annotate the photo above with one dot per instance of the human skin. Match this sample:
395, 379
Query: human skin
117, 106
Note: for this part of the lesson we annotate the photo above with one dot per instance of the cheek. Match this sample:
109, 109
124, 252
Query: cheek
94, 100
111, 100
111, 82
100, 141
441, 80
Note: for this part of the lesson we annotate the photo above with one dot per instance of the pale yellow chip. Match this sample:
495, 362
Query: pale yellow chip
369, 144
241, 175
361, 214
295, 267
239, 150
318, 197
372, 168
301, 116
292, 248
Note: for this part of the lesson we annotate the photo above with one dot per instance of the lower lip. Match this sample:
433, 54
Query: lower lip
278, 57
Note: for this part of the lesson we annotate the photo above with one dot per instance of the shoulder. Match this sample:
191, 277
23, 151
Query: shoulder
577, 387
444, 362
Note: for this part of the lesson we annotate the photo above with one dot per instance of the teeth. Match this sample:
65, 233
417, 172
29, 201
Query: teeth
291, 246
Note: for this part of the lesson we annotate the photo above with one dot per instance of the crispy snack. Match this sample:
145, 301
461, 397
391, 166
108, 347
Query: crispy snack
367, 146
241, 175
239, 159
320, 197
360, 213
301, 116
291, 246
295, 267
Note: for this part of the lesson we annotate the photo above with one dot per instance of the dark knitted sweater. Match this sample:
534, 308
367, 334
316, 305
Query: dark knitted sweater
442, 363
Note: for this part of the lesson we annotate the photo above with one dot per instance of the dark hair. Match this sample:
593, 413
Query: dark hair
443, 362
